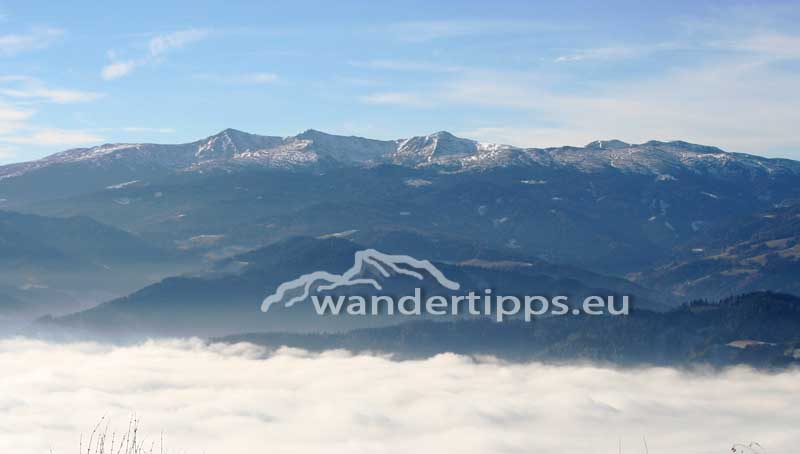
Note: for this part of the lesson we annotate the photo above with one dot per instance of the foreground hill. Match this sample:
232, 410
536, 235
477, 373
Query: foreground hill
58, 265
758, 329
228, 299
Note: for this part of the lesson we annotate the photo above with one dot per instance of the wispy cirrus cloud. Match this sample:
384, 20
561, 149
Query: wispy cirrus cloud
13, 113
740, 105
762, 44
428, 30
31, 88
12, 118
35, 39
606, 53
118, 69
740, 97
53, 95
19, 96
158, 47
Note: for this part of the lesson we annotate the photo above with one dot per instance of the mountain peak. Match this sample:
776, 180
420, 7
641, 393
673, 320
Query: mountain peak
437, 145
230, 142
311, 134
230, 132
607, 144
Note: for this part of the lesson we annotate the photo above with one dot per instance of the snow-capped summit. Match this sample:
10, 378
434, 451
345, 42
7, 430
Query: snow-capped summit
346, 149
607, 144
437, 146
231, 142
231, 149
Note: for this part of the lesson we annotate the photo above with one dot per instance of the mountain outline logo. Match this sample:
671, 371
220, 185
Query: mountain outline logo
380, 261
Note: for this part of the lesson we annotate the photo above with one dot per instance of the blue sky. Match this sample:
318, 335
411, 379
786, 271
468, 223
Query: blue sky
526, 73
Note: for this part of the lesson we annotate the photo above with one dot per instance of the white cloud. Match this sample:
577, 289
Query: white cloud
118, 69
12, 113
37, 38
739, 103
740, 96
52, 95
760, 44
12, 118
30, 88
741, 106
608, 53
54, 136
227, 399
158, 46
161, 44
15, 127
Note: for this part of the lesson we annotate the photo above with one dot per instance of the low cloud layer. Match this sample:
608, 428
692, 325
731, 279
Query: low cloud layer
237, 399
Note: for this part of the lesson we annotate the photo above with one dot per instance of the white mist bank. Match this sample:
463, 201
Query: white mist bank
230, 399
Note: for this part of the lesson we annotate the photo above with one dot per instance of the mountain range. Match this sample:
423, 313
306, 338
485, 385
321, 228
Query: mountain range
315, 150
666, 221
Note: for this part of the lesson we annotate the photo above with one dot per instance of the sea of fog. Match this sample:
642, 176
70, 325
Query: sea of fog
239, 399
